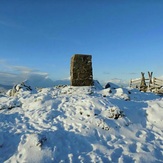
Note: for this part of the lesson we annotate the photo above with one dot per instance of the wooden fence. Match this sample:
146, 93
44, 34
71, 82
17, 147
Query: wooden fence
135, 83
157, 86
148, 84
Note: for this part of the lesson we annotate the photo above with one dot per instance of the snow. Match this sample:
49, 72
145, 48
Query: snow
81, 124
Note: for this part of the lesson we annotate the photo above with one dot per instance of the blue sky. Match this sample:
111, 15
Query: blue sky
40, 36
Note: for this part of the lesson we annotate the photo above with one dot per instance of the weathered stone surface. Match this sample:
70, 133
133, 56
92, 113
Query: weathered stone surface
81, 70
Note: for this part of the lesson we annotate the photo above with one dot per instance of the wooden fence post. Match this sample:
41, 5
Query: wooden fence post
150, 80
150, 77
143, 86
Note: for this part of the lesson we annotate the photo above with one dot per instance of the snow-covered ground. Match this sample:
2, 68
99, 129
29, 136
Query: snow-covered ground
80, 124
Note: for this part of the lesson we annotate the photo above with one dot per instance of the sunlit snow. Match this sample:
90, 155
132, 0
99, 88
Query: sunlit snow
81, 124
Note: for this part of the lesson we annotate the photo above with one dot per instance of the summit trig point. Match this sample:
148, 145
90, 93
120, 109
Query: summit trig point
81, 70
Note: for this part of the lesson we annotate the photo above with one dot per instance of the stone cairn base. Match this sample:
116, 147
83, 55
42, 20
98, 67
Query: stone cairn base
81, 70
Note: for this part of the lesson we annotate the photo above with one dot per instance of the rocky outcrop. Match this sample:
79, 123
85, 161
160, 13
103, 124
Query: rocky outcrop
81, 70
24, 86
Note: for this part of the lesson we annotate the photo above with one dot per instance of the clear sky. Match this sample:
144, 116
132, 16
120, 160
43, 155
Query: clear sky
39, 37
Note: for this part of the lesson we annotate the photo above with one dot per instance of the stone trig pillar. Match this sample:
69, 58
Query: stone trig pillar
81, 70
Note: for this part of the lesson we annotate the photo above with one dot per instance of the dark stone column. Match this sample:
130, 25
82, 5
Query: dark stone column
81, 70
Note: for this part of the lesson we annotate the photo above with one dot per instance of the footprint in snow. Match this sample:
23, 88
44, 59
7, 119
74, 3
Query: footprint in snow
116, 154
132, 148
126, 158
141, 134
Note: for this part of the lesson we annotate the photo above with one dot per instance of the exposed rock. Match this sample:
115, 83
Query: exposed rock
111, 85
24, 86
97, 85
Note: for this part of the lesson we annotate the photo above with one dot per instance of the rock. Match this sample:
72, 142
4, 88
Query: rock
97, 85
111, 85
24, 86
122, 93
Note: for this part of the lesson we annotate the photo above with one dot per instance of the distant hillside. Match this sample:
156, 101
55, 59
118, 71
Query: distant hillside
6, 87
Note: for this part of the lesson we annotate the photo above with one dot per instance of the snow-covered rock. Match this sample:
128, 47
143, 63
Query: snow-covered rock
122, 93
111, 85
97, 85
24, 86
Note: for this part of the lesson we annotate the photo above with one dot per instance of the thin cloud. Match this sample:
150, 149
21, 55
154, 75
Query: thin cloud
9, 78
133, 73
2, 61
11, 75
15, 78
21, 69
106, 73
7, 74
10, 68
